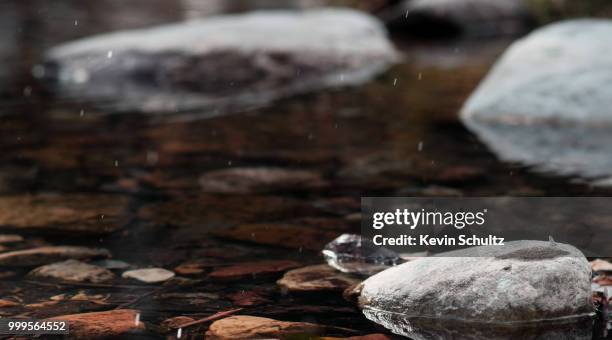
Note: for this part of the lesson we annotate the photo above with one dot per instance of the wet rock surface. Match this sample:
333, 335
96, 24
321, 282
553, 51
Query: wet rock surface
103, 325
521, 282
545, 103
224, 63
251, 327
72, 270
252, 270
316, 278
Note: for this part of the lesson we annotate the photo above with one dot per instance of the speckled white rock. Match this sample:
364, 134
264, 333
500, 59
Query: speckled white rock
224, 63
522, 281
547, 102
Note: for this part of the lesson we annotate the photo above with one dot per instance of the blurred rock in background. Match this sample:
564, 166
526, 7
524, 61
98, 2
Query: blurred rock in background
480, 18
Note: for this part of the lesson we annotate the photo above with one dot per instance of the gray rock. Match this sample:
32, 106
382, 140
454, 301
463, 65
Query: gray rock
72, 270
224, 63
547, 102
468, 17
521, 282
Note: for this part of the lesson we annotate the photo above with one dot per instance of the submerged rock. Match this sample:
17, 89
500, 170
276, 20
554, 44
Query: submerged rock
523, 281
223, 63
449, 17
317, 278
118, 323
72, 270
259, 179
547, 102
252, 270
75, 213
252, 327
49, 254
351, 253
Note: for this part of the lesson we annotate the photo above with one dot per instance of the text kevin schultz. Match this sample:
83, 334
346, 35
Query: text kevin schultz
426, 240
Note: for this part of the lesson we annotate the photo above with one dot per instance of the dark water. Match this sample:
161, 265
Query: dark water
398, 135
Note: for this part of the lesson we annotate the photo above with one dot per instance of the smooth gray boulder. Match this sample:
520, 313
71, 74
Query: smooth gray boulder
521, 282
223, 63
547, 102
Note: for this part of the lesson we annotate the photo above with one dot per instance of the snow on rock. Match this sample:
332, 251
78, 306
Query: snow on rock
547, 102
223, 63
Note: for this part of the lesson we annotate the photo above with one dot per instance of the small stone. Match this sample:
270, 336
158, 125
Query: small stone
9, 238
520, 282
191, 268
119, 323
601, 266
252, 270
8, 303
149, 275
45, 255
247, 299
351, 253
176, 322
280, 235
251, 327
72, 270
315, 278
253, 180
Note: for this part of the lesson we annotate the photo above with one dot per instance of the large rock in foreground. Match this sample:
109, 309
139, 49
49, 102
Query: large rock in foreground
548, 102
224, 63
521, 282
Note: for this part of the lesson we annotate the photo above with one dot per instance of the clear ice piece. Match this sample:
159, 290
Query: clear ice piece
350, 253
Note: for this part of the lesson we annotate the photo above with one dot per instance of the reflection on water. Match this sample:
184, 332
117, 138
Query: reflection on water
419, 328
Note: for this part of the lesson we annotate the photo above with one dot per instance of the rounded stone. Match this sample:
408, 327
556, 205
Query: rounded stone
523, 281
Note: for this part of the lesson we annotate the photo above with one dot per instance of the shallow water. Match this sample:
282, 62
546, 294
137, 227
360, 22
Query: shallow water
398, 135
